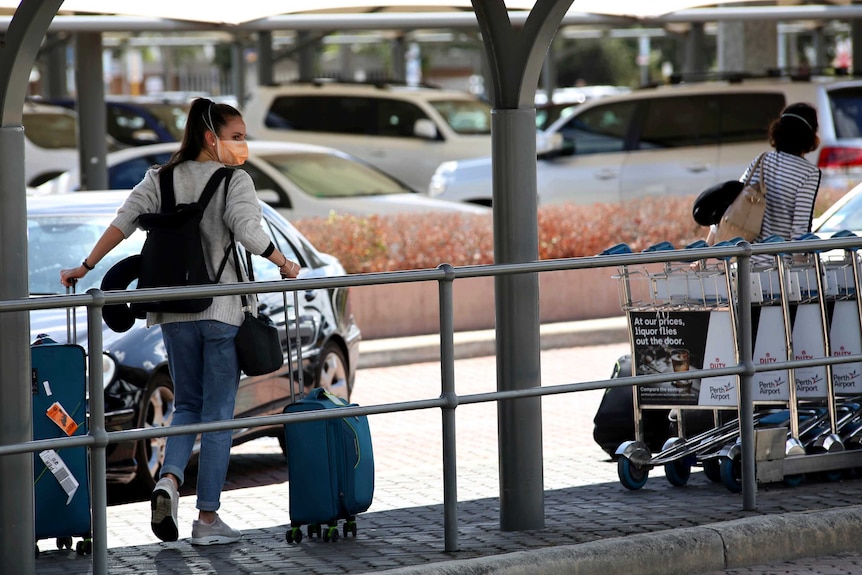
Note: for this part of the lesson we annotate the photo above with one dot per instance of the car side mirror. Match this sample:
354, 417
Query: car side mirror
269, 196
548, 146
425, 129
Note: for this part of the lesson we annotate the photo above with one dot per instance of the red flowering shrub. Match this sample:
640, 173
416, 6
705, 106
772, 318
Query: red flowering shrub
417, 241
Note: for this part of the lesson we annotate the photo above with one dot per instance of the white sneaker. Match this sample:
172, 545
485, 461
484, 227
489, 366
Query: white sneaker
163, 503
215, 533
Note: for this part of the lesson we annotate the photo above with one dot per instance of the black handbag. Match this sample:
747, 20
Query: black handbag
258, 347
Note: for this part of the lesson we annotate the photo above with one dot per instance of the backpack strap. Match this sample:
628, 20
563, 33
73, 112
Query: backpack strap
166, 187
213, 183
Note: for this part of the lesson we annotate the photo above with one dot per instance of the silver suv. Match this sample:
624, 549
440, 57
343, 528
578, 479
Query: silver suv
405, 131
676, 140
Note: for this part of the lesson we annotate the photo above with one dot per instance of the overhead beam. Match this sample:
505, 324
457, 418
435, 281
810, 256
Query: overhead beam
415, 20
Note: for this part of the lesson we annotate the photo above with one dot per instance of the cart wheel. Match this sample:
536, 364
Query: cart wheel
712, 470
677, 472
833, 476
349, 528
793, 480
631, 476
731, 473
332, 531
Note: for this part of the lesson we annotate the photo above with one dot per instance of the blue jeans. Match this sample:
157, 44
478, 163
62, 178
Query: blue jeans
204, 367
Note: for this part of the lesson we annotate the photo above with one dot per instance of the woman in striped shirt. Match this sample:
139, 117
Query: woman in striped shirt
791, 180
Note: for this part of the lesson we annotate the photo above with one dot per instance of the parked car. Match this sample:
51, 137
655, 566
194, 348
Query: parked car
300, 181
138, 386
141, 120
50, 142
405, 131
675, 140
843, 215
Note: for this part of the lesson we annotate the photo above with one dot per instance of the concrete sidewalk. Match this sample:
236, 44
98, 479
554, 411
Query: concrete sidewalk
422, 348
593, 525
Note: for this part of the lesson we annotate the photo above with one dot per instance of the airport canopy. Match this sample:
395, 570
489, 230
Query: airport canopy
252, 10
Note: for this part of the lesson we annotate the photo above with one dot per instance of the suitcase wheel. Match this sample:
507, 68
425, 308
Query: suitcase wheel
349, 527
64, 543
330, 534
293, 535
84, 547
315, 530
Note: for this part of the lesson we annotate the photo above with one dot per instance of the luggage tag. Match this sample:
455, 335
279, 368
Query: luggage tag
63, 420
58, 468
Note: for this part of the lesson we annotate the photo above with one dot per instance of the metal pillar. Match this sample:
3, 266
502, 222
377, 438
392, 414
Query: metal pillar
856, 39
264, 58
549, 73
399, 59
17, 56
515, 59
92, 118
307, 47
54, 83
695, 62
238, 70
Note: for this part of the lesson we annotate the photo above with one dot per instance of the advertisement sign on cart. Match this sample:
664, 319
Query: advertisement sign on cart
677, 341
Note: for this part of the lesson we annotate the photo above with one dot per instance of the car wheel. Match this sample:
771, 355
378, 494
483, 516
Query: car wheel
332, 371
157, 410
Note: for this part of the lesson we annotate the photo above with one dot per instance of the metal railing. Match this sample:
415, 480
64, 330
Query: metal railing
98, 438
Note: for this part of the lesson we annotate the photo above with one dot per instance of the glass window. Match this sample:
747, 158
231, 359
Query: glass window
846, 105
333, 176
679, 121
848, 217
334, 114
746, 117
51, 130
262, 182
465, 116
55, 243
396, 118
599, 130
126, 175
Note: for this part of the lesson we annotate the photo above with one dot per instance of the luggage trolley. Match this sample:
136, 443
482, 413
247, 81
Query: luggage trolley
795, 310
679, 319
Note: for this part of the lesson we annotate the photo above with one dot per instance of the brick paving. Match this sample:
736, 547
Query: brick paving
584, 500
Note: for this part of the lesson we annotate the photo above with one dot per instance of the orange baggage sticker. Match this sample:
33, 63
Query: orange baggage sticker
63, 420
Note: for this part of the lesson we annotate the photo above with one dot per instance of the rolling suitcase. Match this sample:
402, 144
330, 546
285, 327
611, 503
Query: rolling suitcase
62, 486
330, 467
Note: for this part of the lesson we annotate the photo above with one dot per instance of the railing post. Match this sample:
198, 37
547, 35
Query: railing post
746, 403
447, 391
98, 469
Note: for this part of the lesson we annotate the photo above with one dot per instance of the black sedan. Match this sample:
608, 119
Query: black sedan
138, 386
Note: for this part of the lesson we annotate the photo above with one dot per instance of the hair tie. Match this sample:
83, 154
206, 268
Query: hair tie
798, 117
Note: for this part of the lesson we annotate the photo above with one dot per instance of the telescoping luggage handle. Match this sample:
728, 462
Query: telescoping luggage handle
298, 345
71, 317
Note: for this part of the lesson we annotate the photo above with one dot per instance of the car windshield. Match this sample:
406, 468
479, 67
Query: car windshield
333, 176
847, 217
57, 242
465, 116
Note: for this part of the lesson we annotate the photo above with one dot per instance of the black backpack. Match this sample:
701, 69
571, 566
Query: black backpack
173, 254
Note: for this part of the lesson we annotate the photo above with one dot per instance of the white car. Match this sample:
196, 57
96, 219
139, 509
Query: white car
675, 140
299, 180
405, 131
50, 142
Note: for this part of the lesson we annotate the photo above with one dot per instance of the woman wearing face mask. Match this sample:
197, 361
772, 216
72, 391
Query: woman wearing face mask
200, 346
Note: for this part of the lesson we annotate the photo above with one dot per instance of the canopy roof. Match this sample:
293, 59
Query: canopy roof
251, 10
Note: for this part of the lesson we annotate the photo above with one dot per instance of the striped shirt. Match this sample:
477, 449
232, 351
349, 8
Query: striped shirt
791, 187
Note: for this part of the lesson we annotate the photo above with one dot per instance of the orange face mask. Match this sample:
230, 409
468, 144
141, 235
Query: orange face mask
232, 152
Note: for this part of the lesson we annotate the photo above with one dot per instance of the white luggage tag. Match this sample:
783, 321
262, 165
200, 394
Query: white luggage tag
58, 468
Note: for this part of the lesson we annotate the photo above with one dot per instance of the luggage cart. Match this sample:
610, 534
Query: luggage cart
680, 318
